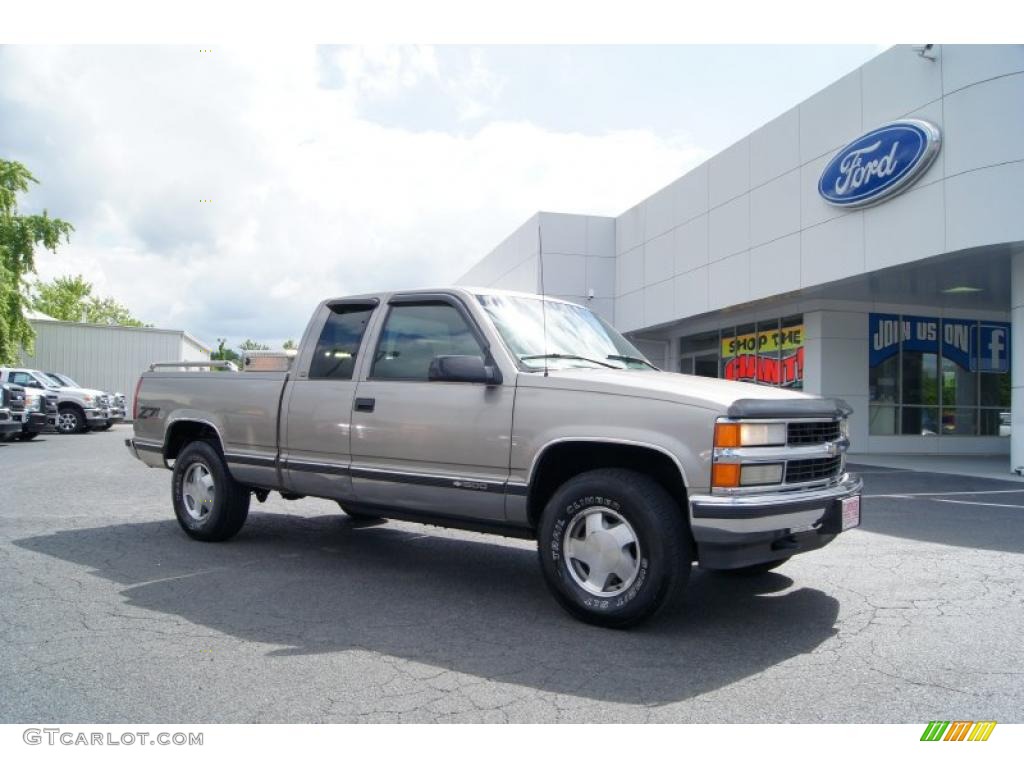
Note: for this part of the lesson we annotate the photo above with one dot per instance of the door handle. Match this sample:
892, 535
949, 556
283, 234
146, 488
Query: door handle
365, 404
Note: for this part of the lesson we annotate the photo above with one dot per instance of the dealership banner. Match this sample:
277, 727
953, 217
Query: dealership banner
768, 357
764, 341
974, 345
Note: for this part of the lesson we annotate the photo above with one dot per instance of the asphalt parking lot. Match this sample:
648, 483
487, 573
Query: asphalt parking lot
109, 613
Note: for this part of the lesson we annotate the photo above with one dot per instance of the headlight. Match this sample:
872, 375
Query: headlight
734, 435
32, 401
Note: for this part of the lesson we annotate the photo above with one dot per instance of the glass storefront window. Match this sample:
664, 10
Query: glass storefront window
995, 389
767, 352
919, 421
920, 378
932, 376
994, 422
959, 385
882, 419
884, 380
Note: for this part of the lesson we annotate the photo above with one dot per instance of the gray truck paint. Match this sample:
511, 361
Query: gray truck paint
452, 449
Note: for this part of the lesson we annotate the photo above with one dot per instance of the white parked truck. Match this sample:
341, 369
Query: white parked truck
78, 409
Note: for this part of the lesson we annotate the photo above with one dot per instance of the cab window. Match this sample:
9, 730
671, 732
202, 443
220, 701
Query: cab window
414, 334
338, 345
24, 379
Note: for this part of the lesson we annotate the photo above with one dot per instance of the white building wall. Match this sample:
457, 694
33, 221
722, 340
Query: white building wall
578, 264
109, 358
749, 224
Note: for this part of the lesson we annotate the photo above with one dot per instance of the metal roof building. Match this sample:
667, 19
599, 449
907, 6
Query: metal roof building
107, 357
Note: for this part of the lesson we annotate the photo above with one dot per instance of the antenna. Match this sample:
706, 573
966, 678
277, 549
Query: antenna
543, 299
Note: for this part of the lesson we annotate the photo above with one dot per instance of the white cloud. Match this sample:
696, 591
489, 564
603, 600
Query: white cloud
309, 198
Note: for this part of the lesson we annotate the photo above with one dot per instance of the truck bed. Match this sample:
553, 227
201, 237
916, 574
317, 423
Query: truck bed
242, 407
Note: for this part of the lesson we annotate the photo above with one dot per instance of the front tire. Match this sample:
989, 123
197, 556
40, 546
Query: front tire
26, 436
614, 547
70, 420
209, 504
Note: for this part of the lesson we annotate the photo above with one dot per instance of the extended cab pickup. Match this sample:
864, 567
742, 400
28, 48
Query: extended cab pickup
506, 413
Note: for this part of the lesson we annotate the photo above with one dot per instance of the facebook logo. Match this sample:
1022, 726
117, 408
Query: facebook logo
993, 353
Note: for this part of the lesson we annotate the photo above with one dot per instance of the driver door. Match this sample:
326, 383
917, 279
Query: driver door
437, 447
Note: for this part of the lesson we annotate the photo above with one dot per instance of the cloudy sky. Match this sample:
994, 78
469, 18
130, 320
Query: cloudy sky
342, 170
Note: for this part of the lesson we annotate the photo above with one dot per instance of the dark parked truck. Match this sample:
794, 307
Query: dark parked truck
40, 413
12, 410
506, 413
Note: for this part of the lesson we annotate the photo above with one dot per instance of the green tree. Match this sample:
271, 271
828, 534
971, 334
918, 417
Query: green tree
64, 298
70, 298
19, 237
290, 344
224, 352
251, 346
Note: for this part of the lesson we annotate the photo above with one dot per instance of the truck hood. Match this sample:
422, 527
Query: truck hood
76, 391
700, 391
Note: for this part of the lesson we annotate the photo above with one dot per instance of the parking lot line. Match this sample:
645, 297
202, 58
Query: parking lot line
979, 503
938, 493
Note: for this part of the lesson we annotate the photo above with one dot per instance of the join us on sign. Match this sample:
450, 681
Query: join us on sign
976, 345
891, 332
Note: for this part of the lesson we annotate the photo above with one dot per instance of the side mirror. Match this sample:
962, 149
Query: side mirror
467, 368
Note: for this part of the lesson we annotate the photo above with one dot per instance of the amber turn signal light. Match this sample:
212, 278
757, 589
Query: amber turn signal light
727, 435
725, 475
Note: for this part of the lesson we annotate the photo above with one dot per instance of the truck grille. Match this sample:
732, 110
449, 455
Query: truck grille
810, 470
812, 432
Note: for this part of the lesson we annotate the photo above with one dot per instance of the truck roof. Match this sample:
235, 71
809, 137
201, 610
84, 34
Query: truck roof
462, 290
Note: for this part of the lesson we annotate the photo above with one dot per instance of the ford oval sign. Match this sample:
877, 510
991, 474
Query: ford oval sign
879, 164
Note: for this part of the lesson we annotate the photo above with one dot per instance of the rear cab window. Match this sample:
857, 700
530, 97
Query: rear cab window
338, 346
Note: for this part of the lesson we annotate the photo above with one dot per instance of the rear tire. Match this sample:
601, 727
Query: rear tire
209, 504
614, 547
757, 569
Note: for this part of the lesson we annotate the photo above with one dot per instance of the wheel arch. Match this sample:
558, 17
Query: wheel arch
182, 431
561, 459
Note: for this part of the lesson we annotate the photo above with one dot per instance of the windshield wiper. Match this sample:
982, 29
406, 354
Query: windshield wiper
560, 356
631, 359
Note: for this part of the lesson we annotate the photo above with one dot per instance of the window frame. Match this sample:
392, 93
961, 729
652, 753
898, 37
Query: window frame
372, 304
422, 299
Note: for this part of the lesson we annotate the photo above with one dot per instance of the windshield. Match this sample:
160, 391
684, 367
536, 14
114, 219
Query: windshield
576, 337
52, 381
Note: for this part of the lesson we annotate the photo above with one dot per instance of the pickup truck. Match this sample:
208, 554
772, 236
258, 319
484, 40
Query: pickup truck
512, 414
114, 402
78, 409
12, 411
40, 413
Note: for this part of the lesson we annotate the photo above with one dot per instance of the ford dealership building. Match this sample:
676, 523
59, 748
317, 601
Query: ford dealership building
866, 244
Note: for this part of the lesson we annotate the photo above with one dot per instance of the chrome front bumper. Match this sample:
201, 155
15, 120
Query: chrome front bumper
733, 531
96, 415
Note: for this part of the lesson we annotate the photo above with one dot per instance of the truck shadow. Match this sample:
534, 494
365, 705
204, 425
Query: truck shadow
316, 585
